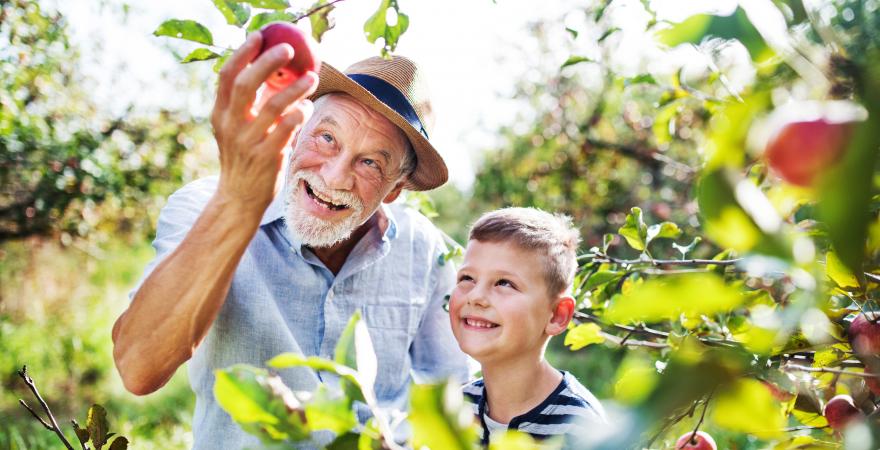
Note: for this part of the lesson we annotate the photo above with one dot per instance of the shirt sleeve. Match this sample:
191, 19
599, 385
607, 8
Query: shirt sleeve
175, 220
435, 352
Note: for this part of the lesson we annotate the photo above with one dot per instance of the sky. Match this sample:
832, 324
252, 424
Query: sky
468, 48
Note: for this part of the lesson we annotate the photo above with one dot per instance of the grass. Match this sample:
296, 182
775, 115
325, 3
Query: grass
57, 308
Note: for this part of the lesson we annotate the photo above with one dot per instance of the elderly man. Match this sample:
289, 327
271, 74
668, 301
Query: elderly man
242, 274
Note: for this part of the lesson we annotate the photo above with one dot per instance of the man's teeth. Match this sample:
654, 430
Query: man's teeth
317, 196
480, 323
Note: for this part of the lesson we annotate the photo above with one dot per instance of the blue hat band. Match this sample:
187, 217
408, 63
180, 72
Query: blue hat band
391, 97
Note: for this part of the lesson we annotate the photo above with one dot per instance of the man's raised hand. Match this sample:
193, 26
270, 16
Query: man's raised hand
250, 142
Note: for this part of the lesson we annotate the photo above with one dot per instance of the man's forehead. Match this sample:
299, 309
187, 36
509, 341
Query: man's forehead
335, 107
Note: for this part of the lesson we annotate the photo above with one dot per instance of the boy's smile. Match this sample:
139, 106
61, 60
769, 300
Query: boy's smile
500, 308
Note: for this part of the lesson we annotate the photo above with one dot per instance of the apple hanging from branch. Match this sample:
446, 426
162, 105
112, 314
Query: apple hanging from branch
804, 139
840, 411
696, 441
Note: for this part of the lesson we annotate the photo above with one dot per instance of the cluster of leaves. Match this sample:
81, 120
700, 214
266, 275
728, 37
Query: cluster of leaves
65, 167
259, 401
238, 13
748, 335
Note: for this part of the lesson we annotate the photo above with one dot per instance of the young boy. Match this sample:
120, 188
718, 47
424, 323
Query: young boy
513, 293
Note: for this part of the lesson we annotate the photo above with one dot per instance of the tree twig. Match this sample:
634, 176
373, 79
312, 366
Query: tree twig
604, 258
314, 10
800, 368
54, 427
702, 417
34, 413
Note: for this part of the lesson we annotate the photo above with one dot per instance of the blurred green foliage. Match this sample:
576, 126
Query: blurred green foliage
65, 165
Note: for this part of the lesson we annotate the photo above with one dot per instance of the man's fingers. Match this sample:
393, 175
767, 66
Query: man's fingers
244, 88
289, 123
280, 102
234, 65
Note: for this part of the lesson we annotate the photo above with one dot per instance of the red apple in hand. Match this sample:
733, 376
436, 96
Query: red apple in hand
701, 441
840, 411
305, 56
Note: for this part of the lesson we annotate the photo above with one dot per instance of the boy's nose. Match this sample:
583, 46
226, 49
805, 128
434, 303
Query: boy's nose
477, 296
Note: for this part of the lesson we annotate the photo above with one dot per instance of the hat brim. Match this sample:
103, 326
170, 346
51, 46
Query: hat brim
431, 171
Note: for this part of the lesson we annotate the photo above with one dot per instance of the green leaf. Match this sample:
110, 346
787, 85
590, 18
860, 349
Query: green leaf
97, 426
267, 4
346, 441
607, 239
240, 392
608, 33
725, 221
422, 203
120, 443
572, 32
234, 12
636, 379
81, 433
584, 335
634, 229
326, 411
200, 54
748, 407
665, 230
735, 26
440, 418
601, 277
320, 20
350, 381
845, 191
839, 273
644, 78
377, 26
262, 19
221, 60
663, 127
670, 296
572, 60
189, 30
355, 349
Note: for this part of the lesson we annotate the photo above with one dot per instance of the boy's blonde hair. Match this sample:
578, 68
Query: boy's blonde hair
551, 235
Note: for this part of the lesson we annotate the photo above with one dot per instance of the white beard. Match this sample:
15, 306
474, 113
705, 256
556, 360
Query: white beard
312, 231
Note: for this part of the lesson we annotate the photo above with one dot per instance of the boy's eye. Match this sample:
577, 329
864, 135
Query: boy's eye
505, 283
463, 278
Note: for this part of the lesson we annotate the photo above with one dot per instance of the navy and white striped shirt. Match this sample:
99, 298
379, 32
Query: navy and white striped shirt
569, 411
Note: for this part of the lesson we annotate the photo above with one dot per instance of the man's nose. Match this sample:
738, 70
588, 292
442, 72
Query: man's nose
336, 173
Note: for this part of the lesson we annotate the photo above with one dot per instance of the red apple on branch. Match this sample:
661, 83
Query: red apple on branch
806, 138
700, 441
864, 335
305, 56
840, 411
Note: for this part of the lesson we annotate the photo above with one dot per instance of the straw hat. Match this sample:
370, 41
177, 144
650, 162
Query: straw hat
396, 89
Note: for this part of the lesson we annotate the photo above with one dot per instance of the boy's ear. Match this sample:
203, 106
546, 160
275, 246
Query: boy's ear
562, 314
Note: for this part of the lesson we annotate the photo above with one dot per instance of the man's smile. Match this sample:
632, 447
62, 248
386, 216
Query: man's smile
318, 197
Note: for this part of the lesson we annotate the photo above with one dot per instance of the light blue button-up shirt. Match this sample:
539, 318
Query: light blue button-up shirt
283, 299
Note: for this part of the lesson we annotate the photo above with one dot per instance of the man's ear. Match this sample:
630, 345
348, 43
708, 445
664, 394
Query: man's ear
392, 196
562, 314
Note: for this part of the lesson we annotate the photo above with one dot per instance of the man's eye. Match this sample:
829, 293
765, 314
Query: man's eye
372, 163
327, 137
